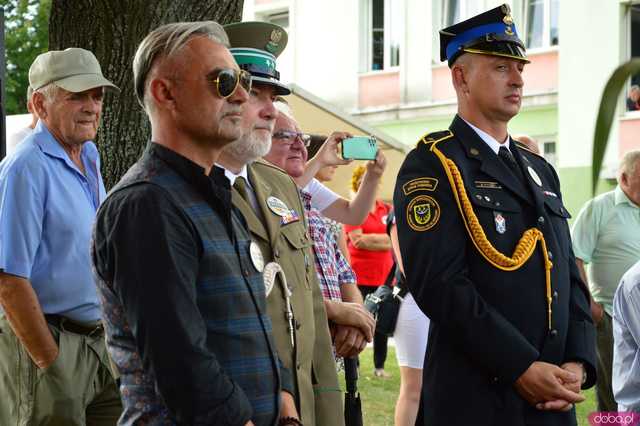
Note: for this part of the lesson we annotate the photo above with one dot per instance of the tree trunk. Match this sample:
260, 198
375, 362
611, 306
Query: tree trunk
112, 30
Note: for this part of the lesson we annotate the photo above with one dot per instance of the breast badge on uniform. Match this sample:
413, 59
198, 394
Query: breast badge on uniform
420, 184
501, 223
423, 212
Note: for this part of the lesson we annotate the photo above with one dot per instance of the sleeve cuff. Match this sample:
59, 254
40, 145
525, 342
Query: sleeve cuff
580, 347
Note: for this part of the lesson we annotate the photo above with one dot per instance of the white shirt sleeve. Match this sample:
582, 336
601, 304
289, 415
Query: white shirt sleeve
321, 196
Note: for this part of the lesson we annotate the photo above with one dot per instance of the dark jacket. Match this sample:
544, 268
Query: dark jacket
487, 324
184, 307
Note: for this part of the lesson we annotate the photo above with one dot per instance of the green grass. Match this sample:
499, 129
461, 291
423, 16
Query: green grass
379, 395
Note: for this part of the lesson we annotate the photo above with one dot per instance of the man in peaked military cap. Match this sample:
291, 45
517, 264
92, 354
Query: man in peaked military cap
487, 251
270, 202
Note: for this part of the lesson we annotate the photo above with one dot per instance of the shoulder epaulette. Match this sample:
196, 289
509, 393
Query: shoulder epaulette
526, 148
434, 137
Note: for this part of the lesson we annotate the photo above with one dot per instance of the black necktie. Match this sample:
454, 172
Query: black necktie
240, 184
507, 158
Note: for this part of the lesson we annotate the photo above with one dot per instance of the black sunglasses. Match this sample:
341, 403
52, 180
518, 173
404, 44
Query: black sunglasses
227, 81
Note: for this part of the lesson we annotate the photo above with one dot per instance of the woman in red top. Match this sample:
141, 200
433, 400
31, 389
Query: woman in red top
371, 259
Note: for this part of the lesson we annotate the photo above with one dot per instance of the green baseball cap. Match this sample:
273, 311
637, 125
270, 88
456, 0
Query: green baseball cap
73, 69
255, 47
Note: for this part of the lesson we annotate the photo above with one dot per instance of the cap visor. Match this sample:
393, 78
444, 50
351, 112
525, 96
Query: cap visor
82, 82
281, 88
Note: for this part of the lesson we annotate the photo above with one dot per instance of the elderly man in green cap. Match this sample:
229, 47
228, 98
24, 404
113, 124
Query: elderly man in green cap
270, 202
54, 368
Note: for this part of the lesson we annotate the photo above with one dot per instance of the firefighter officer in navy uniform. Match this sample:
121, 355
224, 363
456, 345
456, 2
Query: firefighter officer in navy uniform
487, 252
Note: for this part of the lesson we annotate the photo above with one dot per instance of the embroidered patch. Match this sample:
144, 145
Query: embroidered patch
423, 212
485, 184
420, 184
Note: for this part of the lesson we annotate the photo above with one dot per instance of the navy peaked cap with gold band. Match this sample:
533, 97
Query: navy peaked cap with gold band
255, 47
490, 33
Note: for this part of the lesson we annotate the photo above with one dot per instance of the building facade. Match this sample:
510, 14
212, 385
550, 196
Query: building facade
379, 61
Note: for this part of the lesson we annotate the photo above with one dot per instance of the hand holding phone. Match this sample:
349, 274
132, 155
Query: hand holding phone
360, 148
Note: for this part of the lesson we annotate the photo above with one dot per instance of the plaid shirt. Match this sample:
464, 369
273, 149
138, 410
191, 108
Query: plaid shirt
331, 265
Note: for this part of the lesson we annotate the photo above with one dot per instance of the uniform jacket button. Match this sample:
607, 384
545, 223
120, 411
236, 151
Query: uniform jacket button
276, 253
298, 325
550, 255
553, 333
541, 220
555, 295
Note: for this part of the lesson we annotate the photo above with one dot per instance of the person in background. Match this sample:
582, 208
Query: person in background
15, 138
54, 367
371, 259
633, 99
606, 235
337, 279
410, 337
625, 379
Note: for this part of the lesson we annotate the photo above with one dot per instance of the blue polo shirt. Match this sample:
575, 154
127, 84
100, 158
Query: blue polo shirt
47, 209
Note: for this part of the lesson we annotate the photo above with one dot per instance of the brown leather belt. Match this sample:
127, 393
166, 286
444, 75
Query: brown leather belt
65, 324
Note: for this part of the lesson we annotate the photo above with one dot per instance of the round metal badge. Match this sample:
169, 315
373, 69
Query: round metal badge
534, 176
278, 206
256, 256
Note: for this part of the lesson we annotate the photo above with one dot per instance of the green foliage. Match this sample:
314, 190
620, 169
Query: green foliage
26, 36
606, 112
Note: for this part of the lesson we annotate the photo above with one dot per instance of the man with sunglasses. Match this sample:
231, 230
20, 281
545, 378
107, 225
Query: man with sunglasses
183, 298
270, 202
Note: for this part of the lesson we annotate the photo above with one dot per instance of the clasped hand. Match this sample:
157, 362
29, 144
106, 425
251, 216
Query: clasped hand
549, 387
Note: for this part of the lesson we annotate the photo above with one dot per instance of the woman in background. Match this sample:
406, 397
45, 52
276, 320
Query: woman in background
410, 336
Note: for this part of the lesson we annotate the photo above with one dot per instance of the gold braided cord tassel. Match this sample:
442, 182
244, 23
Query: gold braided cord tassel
525, 247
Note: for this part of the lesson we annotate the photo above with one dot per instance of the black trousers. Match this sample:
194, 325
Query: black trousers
379, 340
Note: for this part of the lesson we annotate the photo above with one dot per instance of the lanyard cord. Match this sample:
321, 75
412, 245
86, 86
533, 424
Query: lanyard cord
525, 247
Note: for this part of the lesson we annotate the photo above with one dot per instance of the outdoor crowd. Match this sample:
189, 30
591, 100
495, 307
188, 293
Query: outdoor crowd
221, 282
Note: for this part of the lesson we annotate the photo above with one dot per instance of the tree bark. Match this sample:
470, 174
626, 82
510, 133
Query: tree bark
112, 30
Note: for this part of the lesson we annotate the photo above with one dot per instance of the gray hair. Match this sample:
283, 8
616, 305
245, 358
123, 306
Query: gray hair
634, 88
48, 91
629, 162
166, 41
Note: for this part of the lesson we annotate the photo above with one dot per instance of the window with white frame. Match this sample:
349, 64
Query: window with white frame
541, 17
386, 26
634, 33
454, 11
549, 152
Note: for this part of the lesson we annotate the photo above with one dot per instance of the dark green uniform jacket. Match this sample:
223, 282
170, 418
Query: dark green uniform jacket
312, 364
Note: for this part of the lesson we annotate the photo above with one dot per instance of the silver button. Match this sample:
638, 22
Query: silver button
550, 255
487, 199
497, 203
541, 220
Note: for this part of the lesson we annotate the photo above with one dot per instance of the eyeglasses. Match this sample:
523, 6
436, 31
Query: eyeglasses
227, 81
289, 136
